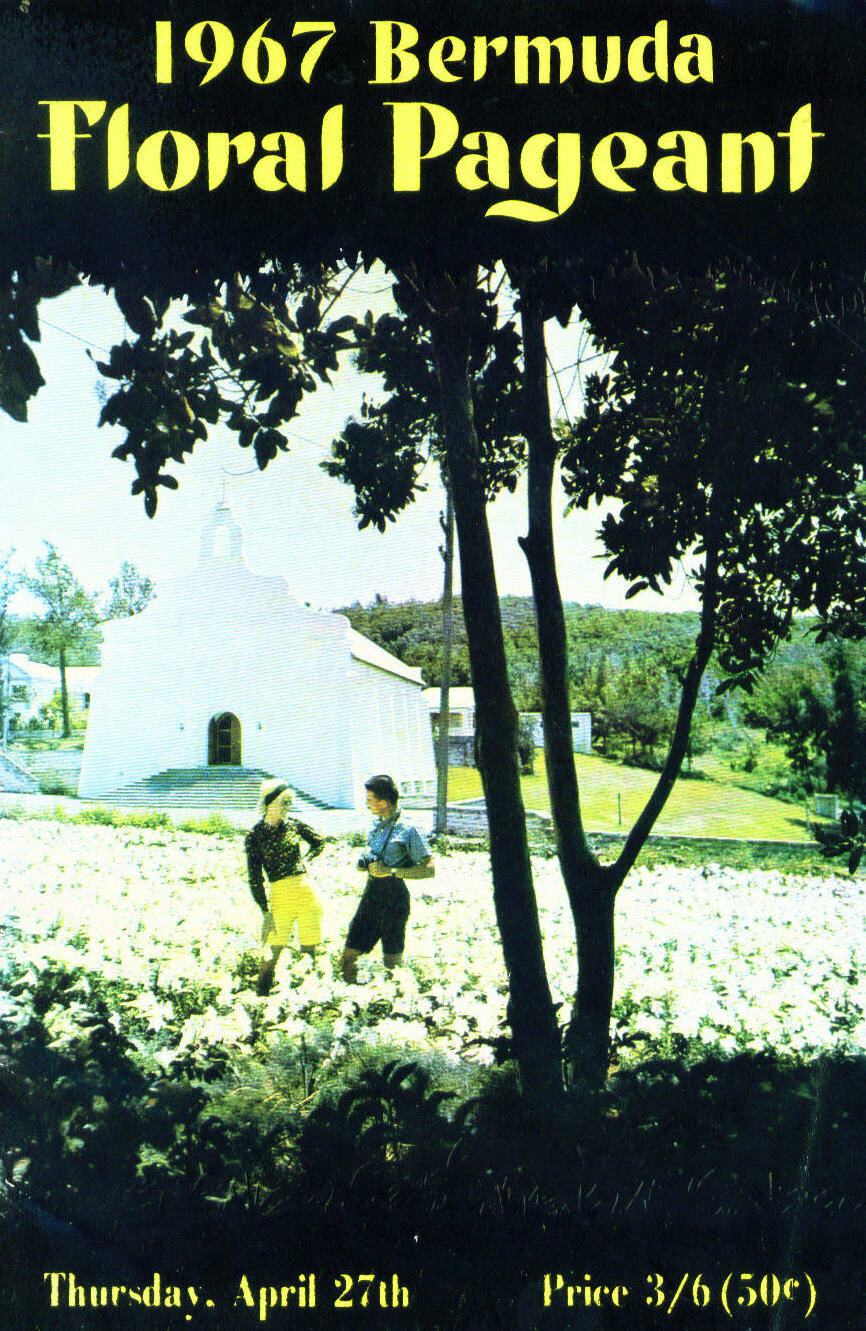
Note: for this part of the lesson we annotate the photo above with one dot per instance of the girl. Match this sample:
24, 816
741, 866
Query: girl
273, 845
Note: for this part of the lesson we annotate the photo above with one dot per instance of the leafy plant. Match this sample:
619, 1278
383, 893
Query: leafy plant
382, 1117
845, 838
214, 824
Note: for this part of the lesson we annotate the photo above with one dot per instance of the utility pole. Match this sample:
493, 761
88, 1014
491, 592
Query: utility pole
446, 522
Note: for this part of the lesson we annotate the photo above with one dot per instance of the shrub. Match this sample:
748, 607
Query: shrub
216, 824
526, 748
54, 785
51, 713
147, 818
97, 814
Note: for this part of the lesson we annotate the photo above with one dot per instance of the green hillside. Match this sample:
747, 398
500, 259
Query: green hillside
612, 796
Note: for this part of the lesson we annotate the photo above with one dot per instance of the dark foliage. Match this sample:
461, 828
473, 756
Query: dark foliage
599, 639
718, 432
697, 1164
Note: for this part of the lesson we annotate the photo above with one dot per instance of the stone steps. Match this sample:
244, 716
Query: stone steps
210, 788
14, 777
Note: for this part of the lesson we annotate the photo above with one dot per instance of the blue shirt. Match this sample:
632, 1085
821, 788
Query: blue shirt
397, 844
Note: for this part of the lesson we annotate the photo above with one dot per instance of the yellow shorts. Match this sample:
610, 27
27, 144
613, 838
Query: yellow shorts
293, 899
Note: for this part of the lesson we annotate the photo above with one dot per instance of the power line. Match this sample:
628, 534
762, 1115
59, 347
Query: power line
106, 351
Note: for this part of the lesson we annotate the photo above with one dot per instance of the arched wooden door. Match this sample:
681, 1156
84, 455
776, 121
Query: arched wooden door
224, 741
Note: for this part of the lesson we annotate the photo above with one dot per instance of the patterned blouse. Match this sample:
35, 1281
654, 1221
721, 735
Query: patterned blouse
276, 849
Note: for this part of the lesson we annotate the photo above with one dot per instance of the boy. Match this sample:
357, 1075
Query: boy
396, 851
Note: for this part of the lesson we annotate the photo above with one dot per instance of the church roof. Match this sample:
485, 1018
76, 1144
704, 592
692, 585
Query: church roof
222, 589
372, 654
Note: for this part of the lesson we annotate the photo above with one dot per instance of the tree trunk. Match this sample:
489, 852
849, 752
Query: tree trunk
587, 1041
64, 695
591, 887
590, 895
530, 1009
442, 745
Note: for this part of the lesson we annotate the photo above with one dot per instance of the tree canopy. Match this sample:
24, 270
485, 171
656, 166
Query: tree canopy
730, 424
128, 593
69, 615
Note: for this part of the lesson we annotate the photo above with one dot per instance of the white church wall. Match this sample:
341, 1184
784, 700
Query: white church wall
391, 732
120, 749
289, 698
306, 719
225, 640
423, 776
374, 745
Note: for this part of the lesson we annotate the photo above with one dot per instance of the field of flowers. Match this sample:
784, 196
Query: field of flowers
159, 924
148, 1096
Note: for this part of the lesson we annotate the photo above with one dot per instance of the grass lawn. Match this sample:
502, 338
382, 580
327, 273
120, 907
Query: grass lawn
611, 795
767, 763
695, 808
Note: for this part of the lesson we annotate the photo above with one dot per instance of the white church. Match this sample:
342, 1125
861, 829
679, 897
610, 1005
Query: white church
225, 668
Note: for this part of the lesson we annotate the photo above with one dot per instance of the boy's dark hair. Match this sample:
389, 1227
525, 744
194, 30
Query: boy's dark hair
384, 788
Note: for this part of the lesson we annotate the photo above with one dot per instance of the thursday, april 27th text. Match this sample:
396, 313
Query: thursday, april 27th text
734, 1292
308, 1290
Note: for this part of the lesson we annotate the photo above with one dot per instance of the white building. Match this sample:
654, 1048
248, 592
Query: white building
461, 710
225, 668
581, 730
461, 724
29, 685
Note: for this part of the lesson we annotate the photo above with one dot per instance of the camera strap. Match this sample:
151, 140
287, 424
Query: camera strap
380, 854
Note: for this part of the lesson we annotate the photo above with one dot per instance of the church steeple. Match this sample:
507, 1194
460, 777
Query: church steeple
221, 537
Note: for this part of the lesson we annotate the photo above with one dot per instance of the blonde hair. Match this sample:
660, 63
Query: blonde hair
271, 789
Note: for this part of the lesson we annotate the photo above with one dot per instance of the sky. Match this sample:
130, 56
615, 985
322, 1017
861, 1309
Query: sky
59, 483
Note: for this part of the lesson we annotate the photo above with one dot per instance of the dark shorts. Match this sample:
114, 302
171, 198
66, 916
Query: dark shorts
382, 914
